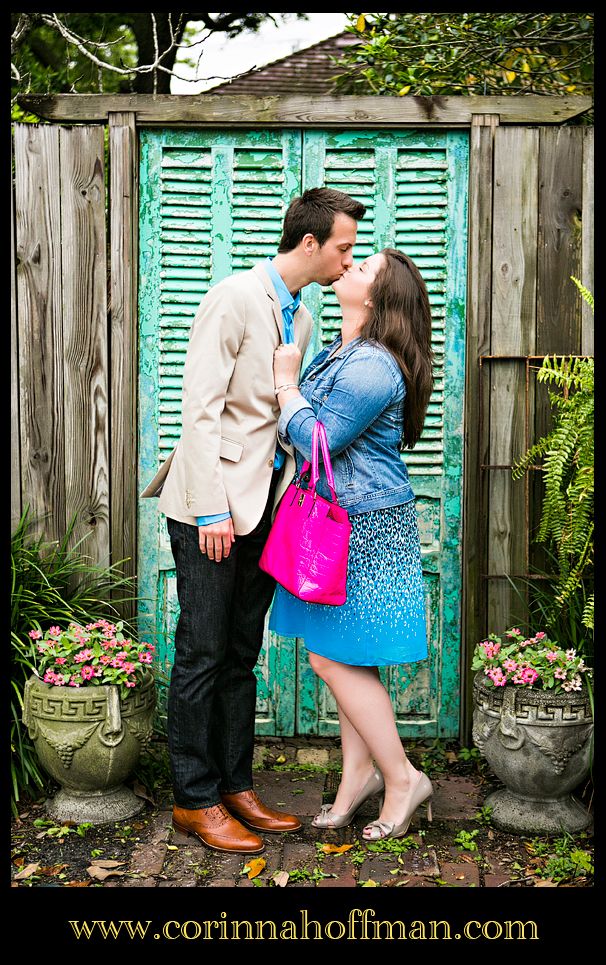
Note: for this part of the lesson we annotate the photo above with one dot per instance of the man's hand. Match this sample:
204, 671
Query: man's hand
216, 539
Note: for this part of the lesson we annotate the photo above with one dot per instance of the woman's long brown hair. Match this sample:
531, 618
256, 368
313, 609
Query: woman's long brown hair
401, 321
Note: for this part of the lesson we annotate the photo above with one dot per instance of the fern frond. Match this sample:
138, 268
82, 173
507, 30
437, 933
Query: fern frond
585, 293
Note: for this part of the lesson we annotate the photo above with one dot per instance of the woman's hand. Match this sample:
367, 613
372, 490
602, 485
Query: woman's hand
287, 364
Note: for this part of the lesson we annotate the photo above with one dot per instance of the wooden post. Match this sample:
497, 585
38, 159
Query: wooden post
15, 443
475, 490
587, 279
123, 214
514, 284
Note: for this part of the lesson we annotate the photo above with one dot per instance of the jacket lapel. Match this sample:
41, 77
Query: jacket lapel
275, 301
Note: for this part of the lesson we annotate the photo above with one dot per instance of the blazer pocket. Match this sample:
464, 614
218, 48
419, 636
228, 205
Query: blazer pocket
230, 450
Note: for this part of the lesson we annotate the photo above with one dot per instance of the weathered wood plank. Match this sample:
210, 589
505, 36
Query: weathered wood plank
124, 222
560, 235
512, 333
475, 481
85, 356
587, 276
15, 443
231, 110
559, 310
40, 332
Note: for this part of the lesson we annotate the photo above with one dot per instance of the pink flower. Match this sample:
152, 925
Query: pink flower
129, 684
497, 676
55, 631
526, 643
529, 675
35, 634
49, 677
551, 655
117, 662
510, 665
571, 654
560, 673
150, 646
83, 655
73, 683
61, 660
491, 649
515, 632
87, 672
41, 648
105, 658
146, 658
540, 635
572, 684
128, 667
122, 655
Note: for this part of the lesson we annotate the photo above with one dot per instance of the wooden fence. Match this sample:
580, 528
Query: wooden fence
74, 325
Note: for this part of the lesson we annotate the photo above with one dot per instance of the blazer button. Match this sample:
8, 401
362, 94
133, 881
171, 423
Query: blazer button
270, 463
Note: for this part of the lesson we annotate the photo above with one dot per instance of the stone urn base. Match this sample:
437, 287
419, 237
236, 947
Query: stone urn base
89, 740
100, 807
539, 745
527, 816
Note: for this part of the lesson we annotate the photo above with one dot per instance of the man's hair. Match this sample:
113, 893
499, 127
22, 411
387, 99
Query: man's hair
314, 213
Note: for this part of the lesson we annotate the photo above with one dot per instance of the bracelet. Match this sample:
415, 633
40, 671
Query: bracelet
288, 385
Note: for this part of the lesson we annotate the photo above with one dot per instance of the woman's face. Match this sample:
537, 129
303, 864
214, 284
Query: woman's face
353, 287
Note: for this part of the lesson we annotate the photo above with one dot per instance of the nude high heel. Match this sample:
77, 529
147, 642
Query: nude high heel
422, 793
326, 819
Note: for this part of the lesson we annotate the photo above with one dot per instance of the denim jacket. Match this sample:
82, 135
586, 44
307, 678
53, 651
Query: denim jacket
359, 397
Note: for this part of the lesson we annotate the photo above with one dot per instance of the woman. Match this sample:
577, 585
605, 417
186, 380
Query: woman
370, 388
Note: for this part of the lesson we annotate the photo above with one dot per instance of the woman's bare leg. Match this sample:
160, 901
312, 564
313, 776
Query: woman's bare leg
367, 706
357, 764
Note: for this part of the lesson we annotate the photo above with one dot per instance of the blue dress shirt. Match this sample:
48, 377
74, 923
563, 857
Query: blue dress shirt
289, 305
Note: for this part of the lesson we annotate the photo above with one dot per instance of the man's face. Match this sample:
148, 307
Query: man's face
331, 261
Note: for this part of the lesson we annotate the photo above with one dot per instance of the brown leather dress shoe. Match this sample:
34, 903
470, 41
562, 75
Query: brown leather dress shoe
217, 829
246, 806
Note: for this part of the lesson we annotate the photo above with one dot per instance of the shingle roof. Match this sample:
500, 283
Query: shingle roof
307, 71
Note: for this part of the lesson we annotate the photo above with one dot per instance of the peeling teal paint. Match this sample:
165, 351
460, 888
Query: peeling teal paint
208, 207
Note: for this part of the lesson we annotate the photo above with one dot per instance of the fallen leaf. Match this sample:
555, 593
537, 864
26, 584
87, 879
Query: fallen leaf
76, 884
53, 870
102, 873
404, 882
281, 759
281, 803
255, 867
460, 877
545, 883
491, 835
280, 879
466, 857
370, 884
106, 863
141, 791
26, 872
172, 847
20, 861
335, 848
451, 756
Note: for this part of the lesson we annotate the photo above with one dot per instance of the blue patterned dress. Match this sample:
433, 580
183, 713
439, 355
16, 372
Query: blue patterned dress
383, 620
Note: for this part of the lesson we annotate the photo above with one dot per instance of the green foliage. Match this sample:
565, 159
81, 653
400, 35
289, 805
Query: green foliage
465, 839
468, 53
568, 472
564, 860
51, 583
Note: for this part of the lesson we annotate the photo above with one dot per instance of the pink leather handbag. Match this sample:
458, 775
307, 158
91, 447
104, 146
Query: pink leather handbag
308, 545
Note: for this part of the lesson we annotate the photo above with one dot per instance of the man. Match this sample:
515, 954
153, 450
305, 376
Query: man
218, 489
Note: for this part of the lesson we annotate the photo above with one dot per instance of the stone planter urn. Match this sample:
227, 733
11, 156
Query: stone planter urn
89, 740
539, 745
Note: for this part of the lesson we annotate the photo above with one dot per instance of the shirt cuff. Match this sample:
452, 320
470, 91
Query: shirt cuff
292, 406
207, 520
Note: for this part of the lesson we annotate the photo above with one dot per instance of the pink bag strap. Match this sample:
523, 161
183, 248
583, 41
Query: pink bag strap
319, 435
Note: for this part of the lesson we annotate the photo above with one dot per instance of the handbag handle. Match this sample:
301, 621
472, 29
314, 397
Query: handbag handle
319, 435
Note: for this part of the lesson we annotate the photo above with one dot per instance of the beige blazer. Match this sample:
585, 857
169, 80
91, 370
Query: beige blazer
224, 459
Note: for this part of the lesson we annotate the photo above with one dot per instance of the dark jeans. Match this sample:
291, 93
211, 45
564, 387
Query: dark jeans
212, 694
